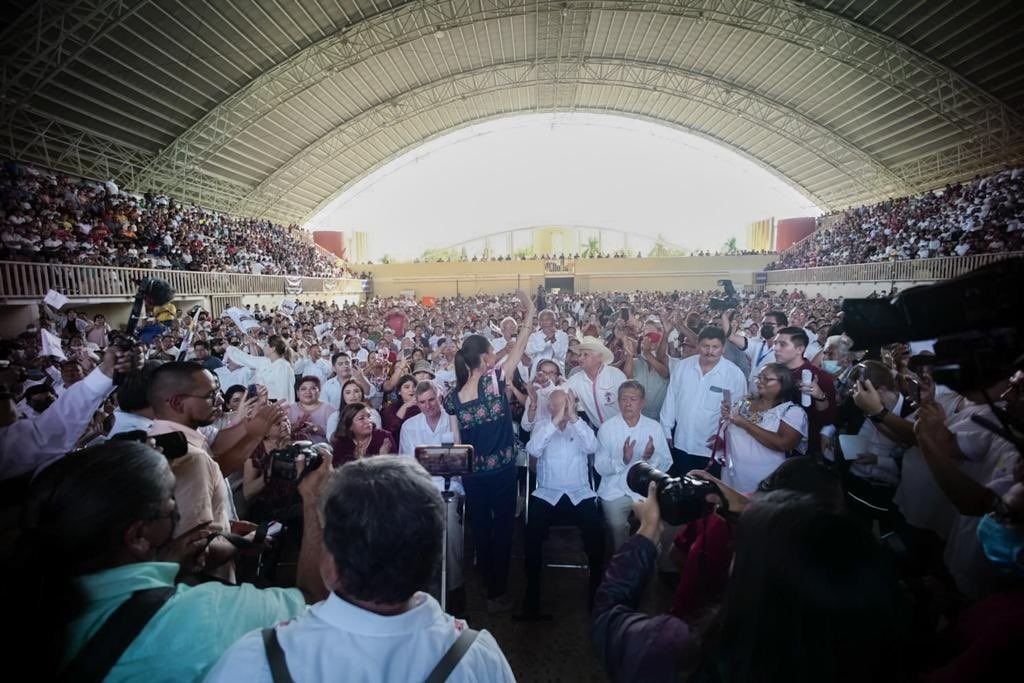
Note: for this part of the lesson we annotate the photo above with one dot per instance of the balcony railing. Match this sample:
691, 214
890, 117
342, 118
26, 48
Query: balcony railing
914, 270
22, 280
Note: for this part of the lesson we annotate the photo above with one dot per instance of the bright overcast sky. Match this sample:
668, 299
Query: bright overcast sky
561, 169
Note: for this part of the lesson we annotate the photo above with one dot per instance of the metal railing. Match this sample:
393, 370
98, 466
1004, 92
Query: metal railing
913, 270
24, 280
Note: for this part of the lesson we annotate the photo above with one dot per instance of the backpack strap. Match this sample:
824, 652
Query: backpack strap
453, 656
275, 657
101, 652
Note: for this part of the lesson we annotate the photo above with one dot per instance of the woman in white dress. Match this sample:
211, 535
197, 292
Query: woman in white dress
762, 429
274, 371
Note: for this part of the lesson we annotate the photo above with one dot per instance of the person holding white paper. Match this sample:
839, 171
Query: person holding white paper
274, 371
763, 429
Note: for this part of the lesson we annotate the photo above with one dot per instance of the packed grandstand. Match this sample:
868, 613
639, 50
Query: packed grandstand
600, 467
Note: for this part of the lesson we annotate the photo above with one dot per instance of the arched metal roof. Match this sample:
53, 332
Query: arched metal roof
272, 108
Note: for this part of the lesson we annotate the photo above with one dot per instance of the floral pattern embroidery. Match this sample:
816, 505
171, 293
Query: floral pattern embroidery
481, 420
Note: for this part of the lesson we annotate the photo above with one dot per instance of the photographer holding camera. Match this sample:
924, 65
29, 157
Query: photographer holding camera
102, 551
378, 623
811, 598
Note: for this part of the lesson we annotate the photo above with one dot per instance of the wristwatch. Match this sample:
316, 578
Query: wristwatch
879, 416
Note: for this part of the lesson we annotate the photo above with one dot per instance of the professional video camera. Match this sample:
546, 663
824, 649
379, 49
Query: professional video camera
152, 292
975, 320
681, 499
284, 465
729, 301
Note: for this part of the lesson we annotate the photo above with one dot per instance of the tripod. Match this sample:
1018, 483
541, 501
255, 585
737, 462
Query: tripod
447, 495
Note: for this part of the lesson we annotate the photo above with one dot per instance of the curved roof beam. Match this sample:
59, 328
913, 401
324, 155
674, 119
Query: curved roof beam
61, 33
802, 132
986, 120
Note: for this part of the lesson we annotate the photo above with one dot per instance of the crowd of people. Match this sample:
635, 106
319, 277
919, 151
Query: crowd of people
51, 218
562, 256
983, 216
848, 503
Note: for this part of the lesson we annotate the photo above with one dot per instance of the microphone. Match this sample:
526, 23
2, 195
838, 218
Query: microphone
806, 377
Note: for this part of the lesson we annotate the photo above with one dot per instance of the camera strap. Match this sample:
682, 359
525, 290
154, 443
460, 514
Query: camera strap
101, 652
279, 667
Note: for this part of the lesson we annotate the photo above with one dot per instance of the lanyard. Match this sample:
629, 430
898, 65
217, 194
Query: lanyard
762, 353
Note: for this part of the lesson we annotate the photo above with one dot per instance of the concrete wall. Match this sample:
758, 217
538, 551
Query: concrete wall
628, 274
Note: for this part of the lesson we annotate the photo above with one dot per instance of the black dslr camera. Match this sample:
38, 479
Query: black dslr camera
681, 499
284, 465
727, 302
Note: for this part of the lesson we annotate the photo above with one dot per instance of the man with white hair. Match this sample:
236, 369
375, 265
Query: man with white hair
597, 385
548, 341
561, 448
503, 344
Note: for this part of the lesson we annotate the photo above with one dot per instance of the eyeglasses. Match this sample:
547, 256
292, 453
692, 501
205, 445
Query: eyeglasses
766, 380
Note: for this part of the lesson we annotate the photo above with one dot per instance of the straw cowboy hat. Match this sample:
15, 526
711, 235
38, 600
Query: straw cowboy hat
597, 346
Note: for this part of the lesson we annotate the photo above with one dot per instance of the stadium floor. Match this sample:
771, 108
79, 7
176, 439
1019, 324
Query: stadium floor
558, 650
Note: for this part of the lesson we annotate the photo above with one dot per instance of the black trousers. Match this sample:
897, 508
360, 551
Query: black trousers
586, 516
683, 462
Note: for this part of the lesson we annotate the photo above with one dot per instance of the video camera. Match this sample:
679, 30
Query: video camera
153, 292
681, 499
975, 318
729, 301
284, 464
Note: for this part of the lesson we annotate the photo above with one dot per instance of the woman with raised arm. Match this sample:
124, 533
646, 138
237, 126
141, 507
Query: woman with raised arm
481, 405
274, 371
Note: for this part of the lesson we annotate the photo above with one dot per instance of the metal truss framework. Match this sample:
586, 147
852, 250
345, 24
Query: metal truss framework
991, 132
862, 170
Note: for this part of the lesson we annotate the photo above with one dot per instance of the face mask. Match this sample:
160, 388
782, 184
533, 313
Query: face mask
767, 331
1001, 544
830, 366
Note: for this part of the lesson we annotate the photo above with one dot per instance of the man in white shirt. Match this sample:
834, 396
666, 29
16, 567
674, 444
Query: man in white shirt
503, 344
693, 402
343, 372
382, 530
596, 385
29, 445
433, 427
313, 365
561, 448
760, 350
548, 341
626, 439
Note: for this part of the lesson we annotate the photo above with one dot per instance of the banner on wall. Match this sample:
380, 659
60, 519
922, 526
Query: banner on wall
293, 284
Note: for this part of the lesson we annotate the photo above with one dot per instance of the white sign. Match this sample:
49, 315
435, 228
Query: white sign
322, 329
51, 345
292, 284
288, 306
55, 299
242, 318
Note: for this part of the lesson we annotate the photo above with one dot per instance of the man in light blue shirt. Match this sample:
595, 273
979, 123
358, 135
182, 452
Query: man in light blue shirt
77, 509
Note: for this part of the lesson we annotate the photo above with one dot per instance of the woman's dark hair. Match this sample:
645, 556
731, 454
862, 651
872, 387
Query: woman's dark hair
280, 347
803, 474
812, 598
406, 378
309, 378
345, 385
373, 506
787, 387
348, 414
75, 517
467, 358
231, 391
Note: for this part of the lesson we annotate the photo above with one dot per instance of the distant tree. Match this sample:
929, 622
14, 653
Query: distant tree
592, 249
664, 248
386, 258
729, 246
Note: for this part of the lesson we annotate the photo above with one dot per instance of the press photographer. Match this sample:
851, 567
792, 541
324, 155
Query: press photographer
811, 597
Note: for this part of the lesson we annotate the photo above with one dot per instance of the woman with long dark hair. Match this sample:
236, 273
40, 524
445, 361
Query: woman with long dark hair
481, 405
357, 436
763, 429
812, 598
